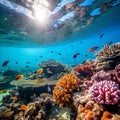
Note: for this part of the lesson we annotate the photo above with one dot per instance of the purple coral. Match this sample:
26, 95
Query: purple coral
105, 92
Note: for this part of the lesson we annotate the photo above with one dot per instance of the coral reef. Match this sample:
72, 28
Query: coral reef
91, 111
108, 57
62, 93
52, 67
105, 92
106, 116
6, 114
84, 71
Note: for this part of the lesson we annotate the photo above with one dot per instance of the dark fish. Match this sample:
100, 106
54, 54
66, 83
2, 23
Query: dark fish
27, 66
110, 43
16, 63
5, 63
51, 51
75, 55
27, 62
101, 35
92, 49
41, 56
59, 53
86, 55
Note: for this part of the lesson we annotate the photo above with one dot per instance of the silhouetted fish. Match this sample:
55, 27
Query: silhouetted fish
27, 66
92, 49
59, 53
51, 51
75, 55
110, 43
16, 63
101, 35
86, 55
5, 63
27, 62
41, 56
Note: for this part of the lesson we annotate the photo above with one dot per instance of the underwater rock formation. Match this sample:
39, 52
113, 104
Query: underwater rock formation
66, 85
108, 57
52, 67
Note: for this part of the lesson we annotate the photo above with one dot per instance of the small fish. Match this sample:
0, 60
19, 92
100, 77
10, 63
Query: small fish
49, 89
14, 98
16, 63
86, 55
20, 113
92, 49
59, 53
40, 71
18, 77
24, 107
61, 88
75, 55
37, 80
5, 63
49, 71
27, 66
41, 56
27, 62
101, 35
51, 51
110, 43
3, 91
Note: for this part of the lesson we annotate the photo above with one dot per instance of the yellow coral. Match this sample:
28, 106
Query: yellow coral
62, 93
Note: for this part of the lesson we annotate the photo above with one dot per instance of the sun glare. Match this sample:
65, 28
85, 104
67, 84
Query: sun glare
41, 13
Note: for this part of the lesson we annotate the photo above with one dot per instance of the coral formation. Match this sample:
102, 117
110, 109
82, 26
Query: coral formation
52, 67
91, 111
6, 114
84, 70
108, 57
105, 92
62, 93
106, 116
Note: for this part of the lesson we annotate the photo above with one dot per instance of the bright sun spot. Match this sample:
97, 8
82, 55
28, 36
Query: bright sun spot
41, 13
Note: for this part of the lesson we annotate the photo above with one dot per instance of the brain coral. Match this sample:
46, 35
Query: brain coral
105, 92
62, 93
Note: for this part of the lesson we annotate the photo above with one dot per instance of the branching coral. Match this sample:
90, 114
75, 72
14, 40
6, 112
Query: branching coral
62, 93
105, 92
108, 57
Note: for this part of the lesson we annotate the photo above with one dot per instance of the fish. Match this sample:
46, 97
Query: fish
92, 49
41, 56
27, 62
40, 71
49, 89
110, 43
16, 63
14, 98
51, 51
37, 80
75, 55
5, 63
61, 88
27, 66
24, 107
49, 71
3, 91
86, 55
18, 77
101, 35
59, 53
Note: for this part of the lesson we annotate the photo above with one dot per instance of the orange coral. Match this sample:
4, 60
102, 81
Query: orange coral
106, 116
64, 88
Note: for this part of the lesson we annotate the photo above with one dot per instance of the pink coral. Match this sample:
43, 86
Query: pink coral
105, 92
